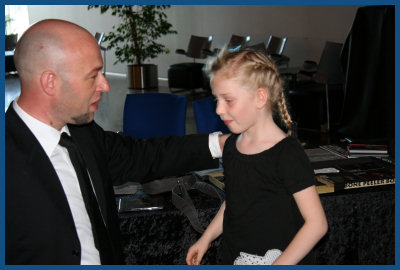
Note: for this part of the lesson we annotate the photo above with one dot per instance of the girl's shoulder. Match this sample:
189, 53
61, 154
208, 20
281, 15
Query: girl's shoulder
286, 145
290, 142
290, 147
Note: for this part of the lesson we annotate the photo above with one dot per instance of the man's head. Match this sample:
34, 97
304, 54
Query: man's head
59, 64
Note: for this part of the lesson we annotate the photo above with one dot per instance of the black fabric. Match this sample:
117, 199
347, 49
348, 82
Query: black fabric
182, 200
99, 229
31, 183
179, 188
261, 213
163, 237
369, 66
361, 228
361, 231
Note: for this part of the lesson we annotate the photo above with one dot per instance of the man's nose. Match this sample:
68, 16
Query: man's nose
104, 86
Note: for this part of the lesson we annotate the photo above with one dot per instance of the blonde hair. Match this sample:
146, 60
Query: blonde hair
254, 69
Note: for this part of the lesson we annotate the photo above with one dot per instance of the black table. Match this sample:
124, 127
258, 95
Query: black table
361, 230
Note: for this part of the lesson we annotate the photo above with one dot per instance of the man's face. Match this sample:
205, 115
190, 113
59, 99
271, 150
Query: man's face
82, 85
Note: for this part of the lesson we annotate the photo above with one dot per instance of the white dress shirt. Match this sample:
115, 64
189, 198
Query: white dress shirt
48, 138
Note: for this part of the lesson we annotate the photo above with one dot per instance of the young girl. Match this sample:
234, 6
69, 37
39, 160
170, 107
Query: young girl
272, 208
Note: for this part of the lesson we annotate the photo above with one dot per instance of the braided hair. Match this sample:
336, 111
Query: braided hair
256, 70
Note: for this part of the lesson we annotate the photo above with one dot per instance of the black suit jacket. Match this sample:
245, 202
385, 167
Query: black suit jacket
39, 228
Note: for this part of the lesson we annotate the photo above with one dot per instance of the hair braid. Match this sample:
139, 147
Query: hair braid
285, 113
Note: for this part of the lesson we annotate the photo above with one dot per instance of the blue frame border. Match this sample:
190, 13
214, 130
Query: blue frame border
204, 2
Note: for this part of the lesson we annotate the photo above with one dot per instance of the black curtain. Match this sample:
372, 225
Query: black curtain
368, 59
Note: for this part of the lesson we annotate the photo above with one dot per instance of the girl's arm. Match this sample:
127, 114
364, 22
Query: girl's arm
198, 249
314, 228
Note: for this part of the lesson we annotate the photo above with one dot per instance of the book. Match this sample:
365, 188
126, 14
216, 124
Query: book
360, 180
355, 155
362, 150
205, 173
367, 149
324, 185
356, 150
320, 154
128, 188
357, 173
217, 179
140, 203
336, 150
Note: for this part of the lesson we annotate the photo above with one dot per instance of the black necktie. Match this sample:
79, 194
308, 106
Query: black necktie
92, 207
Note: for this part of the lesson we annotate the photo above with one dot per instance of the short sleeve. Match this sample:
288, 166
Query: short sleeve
294, 167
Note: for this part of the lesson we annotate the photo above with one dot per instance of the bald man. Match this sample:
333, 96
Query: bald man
59, 65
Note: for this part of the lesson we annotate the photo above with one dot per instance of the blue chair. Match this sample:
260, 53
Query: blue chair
154, 115
206, 118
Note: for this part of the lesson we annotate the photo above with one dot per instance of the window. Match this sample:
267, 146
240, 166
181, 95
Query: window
19, 19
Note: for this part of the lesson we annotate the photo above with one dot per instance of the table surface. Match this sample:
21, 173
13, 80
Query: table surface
361, 230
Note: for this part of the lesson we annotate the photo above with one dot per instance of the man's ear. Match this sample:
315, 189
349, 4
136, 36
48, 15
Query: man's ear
48, 82
262, 97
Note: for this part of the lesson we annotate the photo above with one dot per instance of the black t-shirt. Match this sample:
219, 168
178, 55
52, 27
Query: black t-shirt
261, 213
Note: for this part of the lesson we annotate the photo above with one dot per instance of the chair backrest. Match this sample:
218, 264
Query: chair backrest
154, 115
260, 47
99, 37
275, 45
197, 45
206, 118
330, 64
238, 41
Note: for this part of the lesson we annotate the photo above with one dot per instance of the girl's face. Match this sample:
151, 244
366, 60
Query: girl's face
237, 105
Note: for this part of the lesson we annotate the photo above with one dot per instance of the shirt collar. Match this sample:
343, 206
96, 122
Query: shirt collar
47, 136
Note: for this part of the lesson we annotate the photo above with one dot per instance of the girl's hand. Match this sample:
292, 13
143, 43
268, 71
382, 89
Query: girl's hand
196, 252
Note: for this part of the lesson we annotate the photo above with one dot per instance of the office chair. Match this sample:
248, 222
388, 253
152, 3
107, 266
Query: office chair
154, 115
274, 49
235, 43
99, 37
317, 96
206, 118
275, 45
189, 76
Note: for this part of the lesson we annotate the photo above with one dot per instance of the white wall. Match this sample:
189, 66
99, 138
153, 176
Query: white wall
306, 27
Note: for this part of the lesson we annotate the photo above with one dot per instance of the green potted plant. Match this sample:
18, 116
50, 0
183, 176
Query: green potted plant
134, 40
10, 39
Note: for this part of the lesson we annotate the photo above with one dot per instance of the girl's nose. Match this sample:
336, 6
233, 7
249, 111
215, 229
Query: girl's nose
219, 109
